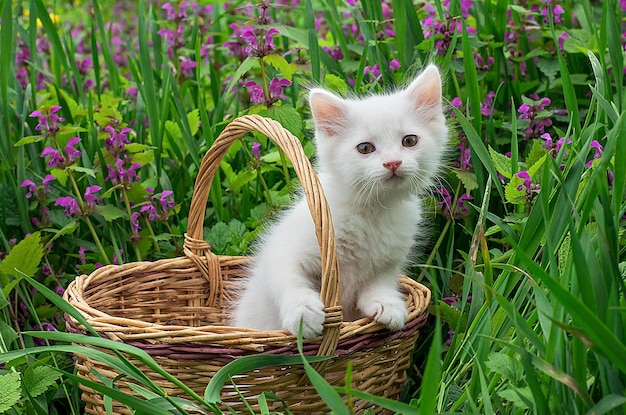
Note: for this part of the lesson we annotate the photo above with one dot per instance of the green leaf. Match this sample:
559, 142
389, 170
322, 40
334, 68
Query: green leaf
467, 178
607, 404
455, 319
174, 130
241, 179
247, 364
89, 172
245, 66
109, 212
537, 154
520, 397
60, 175
280, 63
38, 379
193, 118
137, 147
512, 193
29, 139
25, 257
287, 116
66, 230
8, 334
502, 163
507, 366
10, 390
323, 388
219, 237
143, 158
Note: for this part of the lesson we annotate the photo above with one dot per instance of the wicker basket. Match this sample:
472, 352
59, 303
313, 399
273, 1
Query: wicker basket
177, 309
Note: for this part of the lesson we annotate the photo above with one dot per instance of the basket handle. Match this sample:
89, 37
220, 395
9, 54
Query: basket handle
318, 206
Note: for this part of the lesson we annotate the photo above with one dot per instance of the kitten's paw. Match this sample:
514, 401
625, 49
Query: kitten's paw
392, 315
310, 310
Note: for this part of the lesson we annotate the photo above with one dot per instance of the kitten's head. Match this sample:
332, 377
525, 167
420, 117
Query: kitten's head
382, 146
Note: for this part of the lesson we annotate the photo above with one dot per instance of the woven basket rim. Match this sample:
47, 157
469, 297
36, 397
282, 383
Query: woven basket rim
126, 329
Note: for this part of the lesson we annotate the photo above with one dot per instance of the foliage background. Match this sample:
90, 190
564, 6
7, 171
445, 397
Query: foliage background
107, 108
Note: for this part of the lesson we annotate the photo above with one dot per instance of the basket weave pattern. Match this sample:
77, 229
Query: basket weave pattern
177, 309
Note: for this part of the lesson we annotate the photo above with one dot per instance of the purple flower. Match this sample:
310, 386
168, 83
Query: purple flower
457, 103
187, 66
373, 71
445, 204
150, 210
56, 159
32, 188
48, 121
258, 41
120, 174
255, 91
525, 111
394, 64
59, 290
531, 189
117, 140
69, 203
46, 181
90, 198
465, 154
256, 150
277, 89
176, 14
553, 147
118, 257
561, 41
597, 153
165, 202
70, 150
537, 118
81, 255
134, 224
461, 209
335, 53
486, 107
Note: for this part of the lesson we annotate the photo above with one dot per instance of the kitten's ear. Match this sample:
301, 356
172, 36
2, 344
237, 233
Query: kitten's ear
425, 91
329, 111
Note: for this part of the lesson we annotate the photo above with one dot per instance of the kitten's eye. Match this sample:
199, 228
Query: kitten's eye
410, 140
365, 148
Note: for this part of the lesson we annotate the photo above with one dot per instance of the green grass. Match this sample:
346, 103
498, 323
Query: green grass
538, 276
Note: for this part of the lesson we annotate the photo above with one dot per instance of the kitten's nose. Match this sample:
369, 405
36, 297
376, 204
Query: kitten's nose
392, 165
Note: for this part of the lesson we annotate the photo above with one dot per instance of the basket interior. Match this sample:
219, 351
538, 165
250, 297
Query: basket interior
169, 292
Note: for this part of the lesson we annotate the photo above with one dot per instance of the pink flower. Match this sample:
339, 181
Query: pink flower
255, 91
164, 201
70, 150
32, 188
256, 150
56, 159
69, 203
48, 121
90, 198
394, 64
277, 89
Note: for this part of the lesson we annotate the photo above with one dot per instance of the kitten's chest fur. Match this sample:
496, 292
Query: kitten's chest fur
372, 242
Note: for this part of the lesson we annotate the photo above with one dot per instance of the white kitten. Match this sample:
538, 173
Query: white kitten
376, 156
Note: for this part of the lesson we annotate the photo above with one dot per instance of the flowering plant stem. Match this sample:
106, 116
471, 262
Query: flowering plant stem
92, 230
129, 211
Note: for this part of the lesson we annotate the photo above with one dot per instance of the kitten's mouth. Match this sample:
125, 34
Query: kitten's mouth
394, 178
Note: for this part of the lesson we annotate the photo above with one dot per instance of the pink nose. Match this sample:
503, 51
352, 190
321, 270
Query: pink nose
392, 165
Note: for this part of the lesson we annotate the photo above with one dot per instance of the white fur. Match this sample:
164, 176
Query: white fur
376, 215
